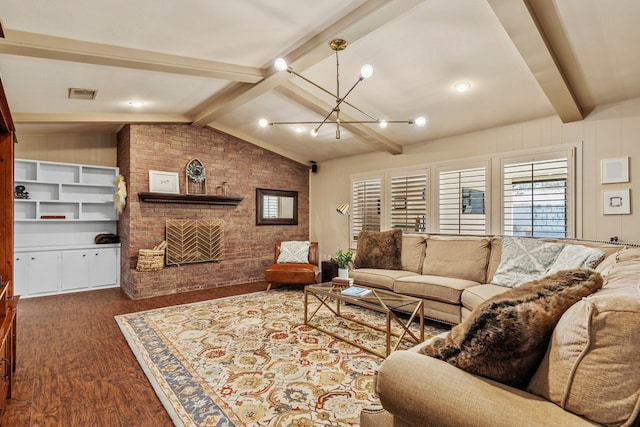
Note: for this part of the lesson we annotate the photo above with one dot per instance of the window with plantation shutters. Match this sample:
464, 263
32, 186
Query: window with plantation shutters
409, 202
365, 208
536, 198
463, 204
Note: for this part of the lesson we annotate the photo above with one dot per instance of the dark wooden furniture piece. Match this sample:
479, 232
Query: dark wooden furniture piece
329, 270
294, 273
7, 301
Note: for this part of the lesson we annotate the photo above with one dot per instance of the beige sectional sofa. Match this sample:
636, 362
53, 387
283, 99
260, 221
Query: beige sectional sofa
589, 376
452, 274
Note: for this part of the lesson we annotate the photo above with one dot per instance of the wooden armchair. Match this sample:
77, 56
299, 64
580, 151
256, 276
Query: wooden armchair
294, 273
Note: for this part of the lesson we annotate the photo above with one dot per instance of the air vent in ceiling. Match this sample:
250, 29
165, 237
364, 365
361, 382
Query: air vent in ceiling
77, 93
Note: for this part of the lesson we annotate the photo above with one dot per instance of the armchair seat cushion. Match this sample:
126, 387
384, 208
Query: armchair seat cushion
291, 273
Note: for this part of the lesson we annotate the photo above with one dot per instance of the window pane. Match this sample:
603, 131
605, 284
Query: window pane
536, 198
365, 207
462, 201
409, 203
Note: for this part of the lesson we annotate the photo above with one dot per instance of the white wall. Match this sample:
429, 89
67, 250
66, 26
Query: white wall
609, 131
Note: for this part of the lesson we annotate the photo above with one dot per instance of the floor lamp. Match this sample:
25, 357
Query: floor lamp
343, 209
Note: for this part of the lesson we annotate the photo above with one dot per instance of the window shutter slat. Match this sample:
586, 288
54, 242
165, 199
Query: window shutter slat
462, 201
536, 198
409, 202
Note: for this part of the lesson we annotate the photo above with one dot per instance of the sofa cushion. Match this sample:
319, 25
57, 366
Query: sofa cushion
606, 247
591, 366
458, 257
494, 257
447, 289
413, 246
506, 337
576, 256
524, 259
476, 295
379, 249
294, 252
378, 277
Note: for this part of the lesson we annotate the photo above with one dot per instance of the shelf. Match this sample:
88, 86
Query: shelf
197, 199
83, 194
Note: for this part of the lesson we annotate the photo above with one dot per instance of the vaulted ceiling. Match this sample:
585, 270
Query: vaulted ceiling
210, 63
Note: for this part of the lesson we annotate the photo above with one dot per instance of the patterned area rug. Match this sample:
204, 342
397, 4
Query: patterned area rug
250, 360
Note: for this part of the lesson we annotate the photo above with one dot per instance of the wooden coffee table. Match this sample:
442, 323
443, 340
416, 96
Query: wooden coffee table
380, 300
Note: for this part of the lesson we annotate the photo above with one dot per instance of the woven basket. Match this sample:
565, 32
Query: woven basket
151, 259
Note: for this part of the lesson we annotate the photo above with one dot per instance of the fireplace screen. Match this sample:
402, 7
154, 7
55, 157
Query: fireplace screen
190, 241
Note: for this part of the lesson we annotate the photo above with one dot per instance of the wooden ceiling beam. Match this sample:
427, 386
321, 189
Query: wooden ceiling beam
34, 45
115, 118
366, 18
521, 24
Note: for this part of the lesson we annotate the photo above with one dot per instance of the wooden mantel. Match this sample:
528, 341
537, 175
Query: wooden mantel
197, 199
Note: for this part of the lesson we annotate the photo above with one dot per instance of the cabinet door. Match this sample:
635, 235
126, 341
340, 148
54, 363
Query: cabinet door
20, 268
75, 270
103, 269
44, 273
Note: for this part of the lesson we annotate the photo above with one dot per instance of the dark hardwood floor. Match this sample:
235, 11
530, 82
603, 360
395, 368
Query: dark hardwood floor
74, 367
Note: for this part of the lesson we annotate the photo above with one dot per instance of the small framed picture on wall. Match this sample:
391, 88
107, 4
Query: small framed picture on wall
163, 182
616, 202
614, 170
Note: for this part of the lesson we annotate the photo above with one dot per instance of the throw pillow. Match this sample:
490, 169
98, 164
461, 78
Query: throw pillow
576, 256
506, 337
523, 260
294, 252
379, 249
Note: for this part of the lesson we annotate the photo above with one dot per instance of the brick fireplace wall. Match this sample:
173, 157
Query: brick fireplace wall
248, 248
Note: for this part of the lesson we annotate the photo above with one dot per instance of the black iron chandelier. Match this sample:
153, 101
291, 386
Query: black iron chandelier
333, 116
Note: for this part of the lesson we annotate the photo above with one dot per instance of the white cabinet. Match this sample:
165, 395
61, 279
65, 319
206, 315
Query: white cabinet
68, 204
104, 265
36, 273
75, 270
91, 268
20, 269
57, 270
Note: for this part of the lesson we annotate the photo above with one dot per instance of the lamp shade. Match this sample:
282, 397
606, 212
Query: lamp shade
343, 209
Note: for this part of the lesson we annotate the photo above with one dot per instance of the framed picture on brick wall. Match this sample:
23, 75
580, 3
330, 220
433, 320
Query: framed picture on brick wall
164, 182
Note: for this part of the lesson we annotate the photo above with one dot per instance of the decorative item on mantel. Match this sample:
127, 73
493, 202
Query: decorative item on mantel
221, 190
196, 177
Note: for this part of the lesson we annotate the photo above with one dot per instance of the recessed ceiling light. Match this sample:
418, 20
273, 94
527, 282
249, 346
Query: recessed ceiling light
136, 103
462, 86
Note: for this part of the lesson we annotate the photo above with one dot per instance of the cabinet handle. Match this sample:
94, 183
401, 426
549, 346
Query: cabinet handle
17, 259
96, 253
33, 258
84, 255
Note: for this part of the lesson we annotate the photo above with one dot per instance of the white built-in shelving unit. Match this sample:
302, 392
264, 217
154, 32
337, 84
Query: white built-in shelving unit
54, 229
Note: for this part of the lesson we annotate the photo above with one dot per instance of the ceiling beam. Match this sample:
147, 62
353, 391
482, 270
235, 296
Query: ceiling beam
34, 45
362, 132
522, 26
116, 118
366, 18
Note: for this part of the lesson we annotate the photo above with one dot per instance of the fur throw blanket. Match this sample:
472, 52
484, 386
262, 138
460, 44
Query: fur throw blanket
506, 337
